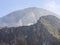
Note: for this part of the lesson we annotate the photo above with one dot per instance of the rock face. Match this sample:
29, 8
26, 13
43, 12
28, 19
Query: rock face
23, 17
41, 33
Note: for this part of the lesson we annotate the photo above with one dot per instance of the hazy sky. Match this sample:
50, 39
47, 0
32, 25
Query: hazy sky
7, 6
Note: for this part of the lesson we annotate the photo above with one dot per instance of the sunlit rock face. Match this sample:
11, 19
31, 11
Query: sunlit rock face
23, 17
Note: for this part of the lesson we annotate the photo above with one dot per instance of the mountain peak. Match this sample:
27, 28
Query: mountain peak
27, 16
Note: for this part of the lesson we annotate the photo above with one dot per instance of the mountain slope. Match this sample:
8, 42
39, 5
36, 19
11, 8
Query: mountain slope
50, 25
52, 20
23, 17
41, 33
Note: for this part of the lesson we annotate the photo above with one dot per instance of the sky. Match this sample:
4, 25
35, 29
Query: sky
8, 6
